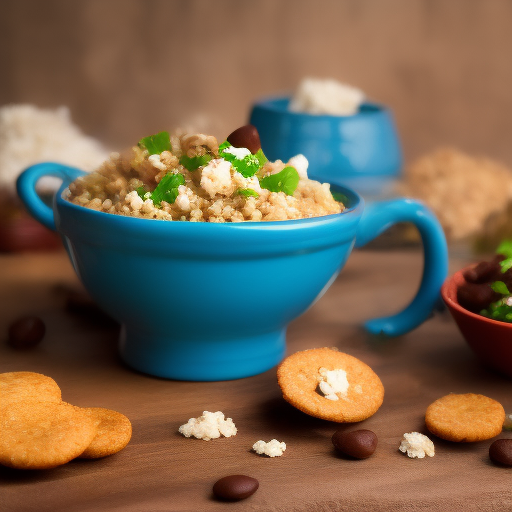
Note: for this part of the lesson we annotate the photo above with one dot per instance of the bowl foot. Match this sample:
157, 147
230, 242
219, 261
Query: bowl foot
202, 359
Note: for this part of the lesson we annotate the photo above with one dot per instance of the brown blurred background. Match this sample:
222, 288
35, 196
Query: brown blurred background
127, 68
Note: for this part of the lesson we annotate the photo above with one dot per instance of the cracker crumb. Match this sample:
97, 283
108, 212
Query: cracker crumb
211, 425
273, 448
417, 445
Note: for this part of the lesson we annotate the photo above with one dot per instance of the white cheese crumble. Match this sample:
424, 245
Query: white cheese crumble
417, 445
156, 162
211, 425
183, 199
241, 182
273, 448
332, 382
301, 164
216, 178
135, 201
318, 96
239, 153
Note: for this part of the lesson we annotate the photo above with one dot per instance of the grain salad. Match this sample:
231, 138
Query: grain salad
191, 177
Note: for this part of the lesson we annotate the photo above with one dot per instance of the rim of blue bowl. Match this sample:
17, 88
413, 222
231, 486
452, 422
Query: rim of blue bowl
279, 104
229, 240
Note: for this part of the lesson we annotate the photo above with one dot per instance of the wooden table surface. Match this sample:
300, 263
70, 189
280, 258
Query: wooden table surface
162, 471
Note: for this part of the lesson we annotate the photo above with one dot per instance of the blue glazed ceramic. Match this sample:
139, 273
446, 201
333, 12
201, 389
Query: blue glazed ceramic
202, 301
361, 151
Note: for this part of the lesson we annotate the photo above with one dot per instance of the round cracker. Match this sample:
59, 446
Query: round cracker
42, 434
465, 418
298, 377
19, 386
114, 433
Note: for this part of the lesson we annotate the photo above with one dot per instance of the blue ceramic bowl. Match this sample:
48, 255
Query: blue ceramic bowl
361, 151
204, 301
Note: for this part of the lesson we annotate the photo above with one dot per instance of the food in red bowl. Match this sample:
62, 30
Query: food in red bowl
473, 291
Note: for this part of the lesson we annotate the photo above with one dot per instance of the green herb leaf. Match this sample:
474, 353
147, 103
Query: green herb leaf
141, 191
224, 145
167, 189
247, 166
505, 265
500, 287
193, 163
247, 192
157, 143
340, 197
285, 181
498, 310
262, 159
505, 248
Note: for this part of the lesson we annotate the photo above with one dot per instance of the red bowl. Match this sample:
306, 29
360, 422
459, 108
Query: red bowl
489, 339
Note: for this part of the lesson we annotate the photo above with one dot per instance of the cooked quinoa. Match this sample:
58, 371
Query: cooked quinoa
221, 189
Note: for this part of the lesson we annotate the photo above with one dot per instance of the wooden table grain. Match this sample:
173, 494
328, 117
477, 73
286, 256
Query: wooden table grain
162, 471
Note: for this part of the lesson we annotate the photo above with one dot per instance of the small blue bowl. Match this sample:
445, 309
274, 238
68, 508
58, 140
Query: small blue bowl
361, 151
204, 301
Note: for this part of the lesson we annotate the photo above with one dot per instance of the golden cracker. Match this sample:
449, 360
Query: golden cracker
465, 418
298, 374
18, 386
114, 433
43, 434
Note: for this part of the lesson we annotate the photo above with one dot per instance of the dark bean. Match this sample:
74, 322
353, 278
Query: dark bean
483, 272
235, 487
475, 297
245, 137
26, 332
359, 444
500, 452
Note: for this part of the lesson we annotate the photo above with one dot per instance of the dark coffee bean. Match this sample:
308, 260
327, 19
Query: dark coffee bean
26, 332
235, 487
359, 444
483, 272
475, 297
246, 137
500, 452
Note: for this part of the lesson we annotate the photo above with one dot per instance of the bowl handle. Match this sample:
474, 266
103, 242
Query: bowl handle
26, 187
378, 217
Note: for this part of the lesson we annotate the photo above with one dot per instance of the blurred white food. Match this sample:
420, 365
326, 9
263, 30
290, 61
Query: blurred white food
29, 135
326, 96
464, 191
